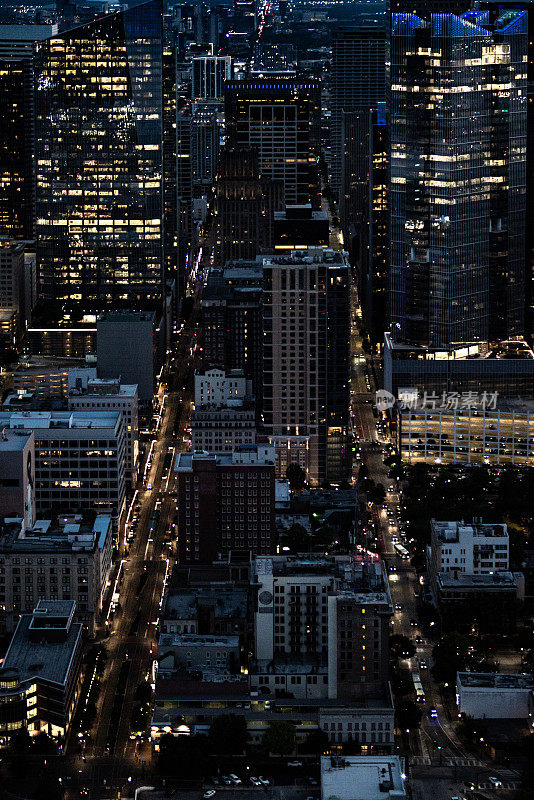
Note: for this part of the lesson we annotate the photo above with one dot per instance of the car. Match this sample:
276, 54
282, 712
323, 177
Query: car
263, 781
235, 780
495, 781
294, 763
398, 607
313, 782
419, 640
255, 781
149, 487
215, 780
433, 713
413, 623
423, 664
226, 780
208, 794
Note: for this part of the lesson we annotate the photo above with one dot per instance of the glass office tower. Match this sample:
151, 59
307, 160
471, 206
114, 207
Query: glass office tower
99, 162
458, 177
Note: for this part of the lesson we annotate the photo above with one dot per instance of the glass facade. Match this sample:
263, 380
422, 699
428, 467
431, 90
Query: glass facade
99, 162
458, 177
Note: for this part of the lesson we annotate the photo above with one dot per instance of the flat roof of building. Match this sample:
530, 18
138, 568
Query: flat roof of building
495, 680
450, 531
65, 533
362, 778
463, 580
184, 603
44, 659
13, 441
195, 640
61, 420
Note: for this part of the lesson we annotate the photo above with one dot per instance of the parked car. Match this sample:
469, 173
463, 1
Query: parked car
263, 781
208, 794
294, 763
235, 780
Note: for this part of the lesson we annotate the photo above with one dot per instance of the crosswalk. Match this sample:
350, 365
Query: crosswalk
426, 761
511, 785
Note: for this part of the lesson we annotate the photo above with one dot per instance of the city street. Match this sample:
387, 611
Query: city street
111, 756
442, 765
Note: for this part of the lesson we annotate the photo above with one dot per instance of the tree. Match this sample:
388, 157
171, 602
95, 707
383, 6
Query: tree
182, 756
228, 735
44, 745
400, 646
296, 476
450, 656
279, 738
408, 715
316, 742
297, 538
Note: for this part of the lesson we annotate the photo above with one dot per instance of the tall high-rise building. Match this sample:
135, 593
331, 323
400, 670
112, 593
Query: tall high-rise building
358, 84
458, 177
365, 208
279, 118
244, 206
209, 76
100, 162
306, 322
17, 178
232, 325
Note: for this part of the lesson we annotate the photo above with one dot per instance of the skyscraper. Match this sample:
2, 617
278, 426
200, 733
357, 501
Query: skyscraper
306, 322
358, 84
244, 206
458, 179
17, 179
279, 118
209, 76
99, 162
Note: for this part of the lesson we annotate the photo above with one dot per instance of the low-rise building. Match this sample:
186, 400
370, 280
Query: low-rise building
219, 609
190, 703
217, 387
68, 558
40, 675
17, 474
192, 652
475, 549
362, 778
225, 502
222, 429
79, 458
111, 395
490, 695
491, 600
321, 626
52, 377
472, 435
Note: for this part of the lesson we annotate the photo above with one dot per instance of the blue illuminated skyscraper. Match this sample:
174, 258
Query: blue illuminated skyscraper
458, 177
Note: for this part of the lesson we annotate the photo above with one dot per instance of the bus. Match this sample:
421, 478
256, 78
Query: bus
401, 551
418, 687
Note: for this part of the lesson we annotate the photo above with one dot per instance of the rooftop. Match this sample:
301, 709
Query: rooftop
195, 640
11, 441
184, 603
462, 580
495, 680
362, 778
452, 531
66, 533
30, 420
127, 316
49, 660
